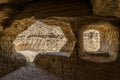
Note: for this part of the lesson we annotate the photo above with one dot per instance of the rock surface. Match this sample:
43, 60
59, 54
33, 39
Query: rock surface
8, 58
7, 12
73, 69
44, 8
1, 28
41, 38
106, 7
69, 68
9, 63
13, 1
30, 72
99, 42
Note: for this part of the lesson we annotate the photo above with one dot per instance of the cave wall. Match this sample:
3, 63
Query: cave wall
77, 14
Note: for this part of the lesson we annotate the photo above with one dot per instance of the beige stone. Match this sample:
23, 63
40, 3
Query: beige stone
91, 40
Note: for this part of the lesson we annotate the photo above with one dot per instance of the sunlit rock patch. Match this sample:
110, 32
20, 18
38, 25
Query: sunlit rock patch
91, 40
41, 38
98, 42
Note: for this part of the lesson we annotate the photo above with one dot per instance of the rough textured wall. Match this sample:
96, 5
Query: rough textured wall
9, 59
44, 8
13, 1
106, 7
99, 42
7, 12
72, 68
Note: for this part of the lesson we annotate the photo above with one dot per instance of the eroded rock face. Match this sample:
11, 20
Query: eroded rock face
1, 28
13, 1
99, 42
41, 38
7, 12
54, 8
9, 60
106, 7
